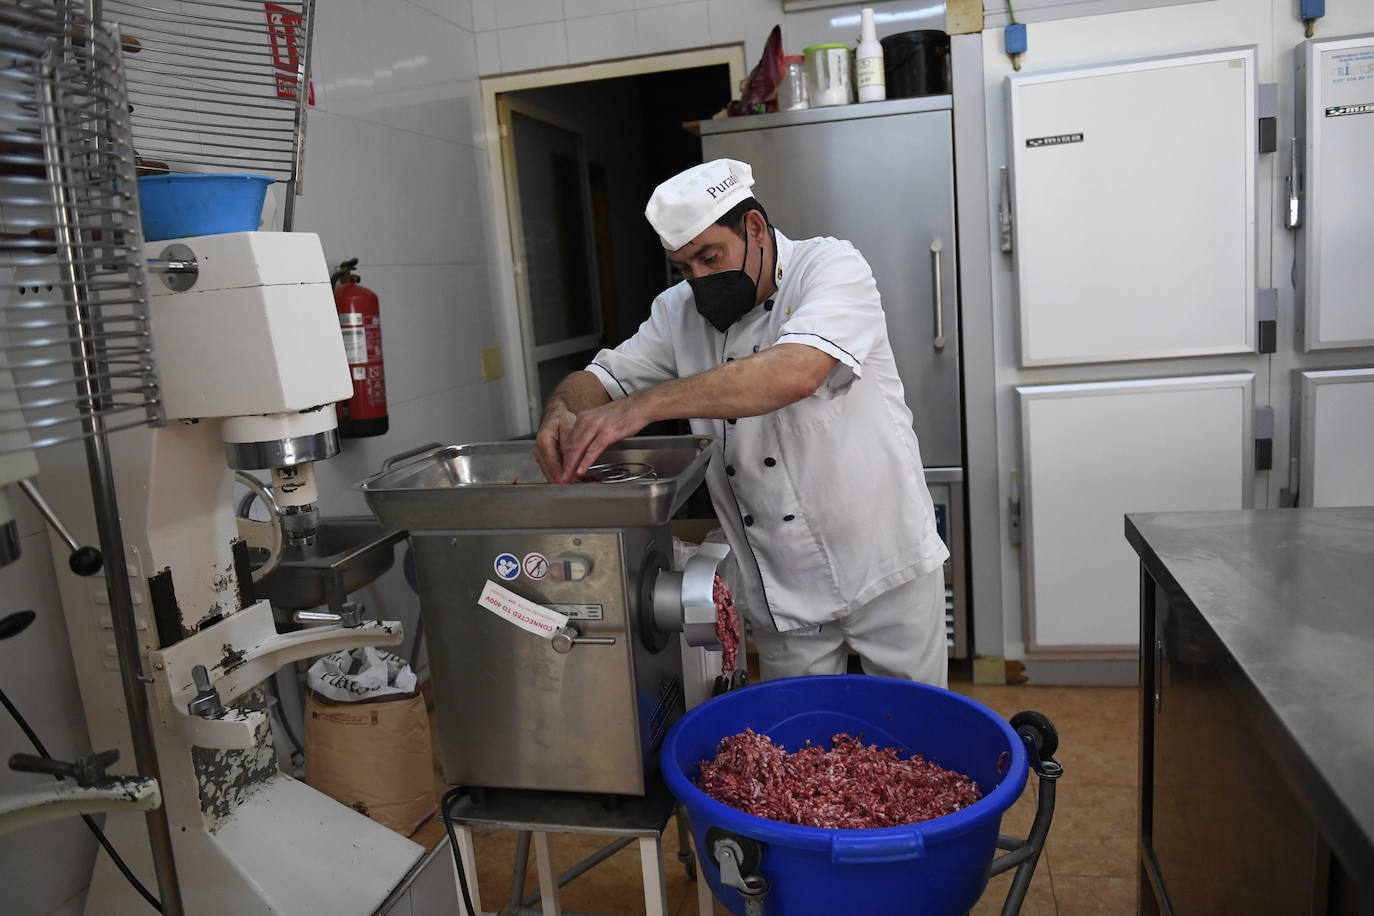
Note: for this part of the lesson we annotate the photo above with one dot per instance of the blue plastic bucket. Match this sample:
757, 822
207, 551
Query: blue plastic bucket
936, 868
181, 205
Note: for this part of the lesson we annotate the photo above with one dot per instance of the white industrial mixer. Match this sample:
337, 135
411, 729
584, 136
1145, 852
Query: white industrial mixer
229, 359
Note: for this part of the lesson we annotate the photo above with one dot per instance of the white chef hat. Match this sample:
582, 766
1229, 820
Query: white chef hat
684, 205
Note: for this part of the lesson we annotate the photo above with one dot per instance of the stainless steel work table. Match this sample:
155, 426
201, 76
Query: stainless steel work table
1257, 726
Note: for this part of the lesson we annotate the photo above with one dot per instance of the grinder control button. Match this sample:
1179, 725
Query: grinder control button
570, 568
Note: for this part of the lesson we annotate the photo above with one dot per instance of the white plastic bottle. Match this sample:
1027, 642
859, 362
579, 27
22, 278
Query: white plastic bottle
868, 61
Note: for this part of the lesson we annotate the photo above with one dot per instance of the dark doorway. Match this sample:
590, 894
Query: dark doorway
634, 137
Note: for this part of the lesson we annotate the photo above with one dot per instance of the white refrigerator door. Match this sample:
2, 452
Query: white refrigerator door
1095, 451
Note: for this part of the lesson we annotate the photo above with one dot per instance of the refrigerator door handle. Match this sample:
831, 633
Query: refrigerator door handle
935, 249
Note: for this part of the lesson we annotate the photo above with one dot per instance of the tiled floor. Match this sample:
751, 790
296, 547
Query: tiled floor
1089, 862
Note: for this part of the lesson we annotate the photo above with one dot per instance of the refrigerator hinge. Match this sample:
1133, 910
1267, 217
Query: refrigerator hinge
1004, 209
1014, 508
1292, 183
1267, 314
1268, 110
1264, 438
1288, 496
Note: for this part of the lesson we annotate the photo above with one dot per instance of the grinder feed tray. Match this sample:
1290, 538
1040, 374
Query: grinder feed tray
498, 485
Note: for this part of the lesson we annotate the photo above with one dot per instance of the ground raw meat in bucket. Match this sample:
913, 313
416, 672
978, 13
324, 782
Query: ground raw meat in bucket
851, 785
727, 625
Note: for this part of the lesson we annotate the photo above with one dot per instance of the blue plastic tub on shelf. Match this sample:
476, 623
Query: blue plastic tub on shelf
180, 205
935, 868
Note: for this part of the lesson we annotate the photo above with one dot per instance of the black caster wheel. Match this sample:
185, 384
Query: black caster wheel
747, 851
691, 869
1040, 729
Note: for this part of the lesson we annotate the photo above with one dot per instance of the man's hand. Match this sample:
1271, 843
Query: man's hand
579, 392
597, 429
551, 442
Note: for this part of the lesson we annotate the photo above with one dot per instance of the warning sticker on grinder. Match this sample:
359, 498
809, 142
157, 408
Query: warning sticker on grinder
523, 613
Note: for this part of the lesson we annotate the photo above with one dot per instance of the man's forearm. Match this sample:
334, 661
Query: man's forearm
757, 384
746, 387
576, 393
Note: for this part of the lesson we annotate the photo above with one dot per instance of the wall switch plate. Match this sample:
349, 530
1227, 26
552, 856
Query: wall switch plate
493, 367
989, 669
963, 17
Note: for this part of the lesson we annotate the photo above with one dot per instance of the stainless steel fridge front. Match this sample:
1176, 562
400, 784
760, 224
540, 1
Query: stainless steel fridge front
881, 175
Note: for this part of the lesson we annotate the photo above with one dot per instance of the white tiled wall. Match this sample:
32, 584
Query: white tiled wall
590, 36
517, 35
395, 175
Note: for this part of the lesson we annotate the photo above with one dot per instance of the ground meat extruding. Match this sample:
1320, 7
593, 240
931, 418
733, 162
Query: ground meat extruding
727, 625
851, 785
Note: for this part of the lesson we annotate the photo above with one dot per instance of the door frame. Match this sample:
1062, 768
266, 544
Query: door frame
525, 412
531, 352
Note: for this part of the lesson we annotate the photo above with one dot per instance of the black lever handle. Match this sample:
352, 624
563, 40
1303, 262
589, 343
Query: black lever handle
16, 623
32, 763
85, 770
84, 561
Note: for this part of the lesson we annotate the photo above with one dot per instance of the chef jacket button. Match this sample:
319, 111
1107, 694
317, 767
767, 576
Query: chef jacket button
769, 462
730, 469
788, 518
748, 520
768, 306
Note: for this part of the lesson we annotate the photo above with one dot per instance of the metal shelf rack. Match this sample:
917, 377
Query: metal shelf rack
219, 85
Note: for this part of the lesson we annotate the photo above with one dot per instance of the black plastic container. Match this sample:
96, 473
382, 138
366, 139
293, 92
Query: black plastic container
916, 63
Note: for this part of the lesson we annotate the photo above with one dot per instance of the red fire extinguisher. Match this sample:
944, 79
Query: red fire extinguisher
360, 319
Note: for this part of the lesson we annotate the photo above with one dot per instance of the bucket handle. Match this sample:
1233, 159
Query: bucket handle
899, 847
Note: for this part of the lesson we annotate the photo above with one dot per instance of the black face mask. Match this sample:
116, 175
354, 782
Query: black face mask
726, 296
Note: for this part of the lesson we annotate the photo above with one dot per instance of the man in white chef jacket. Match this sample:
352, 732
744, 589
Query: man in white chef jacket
778, 350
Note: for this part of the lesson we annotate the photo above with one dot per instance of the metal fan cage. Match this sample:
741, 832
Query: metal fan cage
200, 85
75, 343
219, 85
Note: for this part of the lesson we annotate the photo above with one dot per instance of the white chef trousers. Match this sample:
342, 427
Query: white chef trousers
900, 633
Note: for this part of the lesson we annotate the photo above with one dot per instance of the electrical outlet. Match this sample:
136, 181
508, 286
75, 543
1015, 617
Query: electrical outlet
493, 367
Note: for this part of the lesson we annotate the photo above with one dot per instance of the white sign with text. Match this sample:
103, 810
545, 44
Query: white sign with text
523, 613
